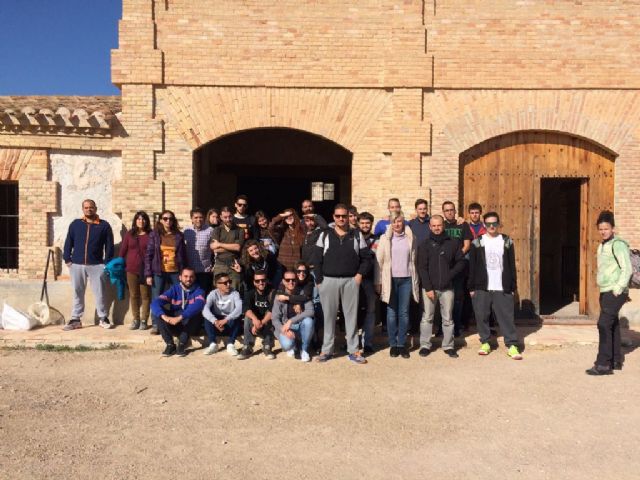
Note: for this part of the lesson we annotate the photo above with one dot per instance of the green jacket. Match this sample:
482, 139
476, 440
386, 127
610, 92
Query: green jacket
614, 266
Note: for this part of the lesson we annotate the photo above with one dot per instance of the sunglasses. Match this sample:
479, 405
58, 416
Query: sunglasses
491, 224
340, 216
241, 204
259, 281
288, 280
227, 282
167, 219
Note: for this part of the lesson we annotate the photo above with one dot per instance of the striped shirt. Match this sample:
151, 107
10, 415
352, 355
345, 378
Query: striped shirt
198, 251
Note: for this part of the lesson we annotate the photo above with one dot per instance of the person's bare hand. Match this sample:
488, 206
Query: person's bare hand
431, 295
297, 309
282, 298
150, 281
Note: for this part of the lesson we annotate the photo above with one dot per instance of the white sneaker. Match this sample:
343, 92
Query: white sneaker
211, 349
304, 356
105, 323
291, 353
231, 349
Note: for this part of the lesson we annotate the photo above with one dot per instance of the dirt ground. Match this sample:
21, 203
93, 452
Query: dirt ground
131, 414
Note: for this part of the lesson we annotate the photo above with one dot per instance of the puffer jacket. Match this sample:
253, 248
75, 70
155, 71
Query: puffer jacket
382, 267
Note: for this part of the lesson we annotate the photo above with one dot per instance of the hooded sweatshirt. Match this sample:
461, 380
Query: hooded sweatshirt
179, 300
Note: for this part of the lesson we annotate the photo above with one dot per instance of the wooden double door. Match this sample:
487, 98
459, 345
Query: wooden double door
548, 189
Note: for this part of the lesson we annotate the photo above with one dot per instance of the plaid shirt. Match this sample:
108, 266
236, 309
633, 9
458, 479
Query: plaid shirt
198, 251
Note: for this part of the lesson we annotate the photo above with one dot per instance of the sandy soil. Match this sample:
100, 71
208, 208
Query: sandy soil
130, 414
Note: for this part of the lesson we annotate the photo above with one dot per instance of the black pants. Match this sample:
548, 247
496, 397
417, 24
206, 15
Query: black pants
266, 332
181, 330
609, 349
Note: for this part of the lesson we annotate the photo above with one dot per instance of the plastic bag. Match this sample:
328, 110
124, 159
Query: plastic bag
13, 319
45, 314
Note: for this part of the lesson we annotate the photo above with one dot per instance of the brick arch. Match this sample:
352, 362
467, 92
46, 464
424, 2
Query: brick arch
204, 114
471, 118
13, 162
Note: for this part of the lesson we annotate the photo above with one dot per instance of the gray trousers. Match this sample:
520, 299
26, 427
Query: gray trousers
502, 305
332, 291
94, 274
446, 298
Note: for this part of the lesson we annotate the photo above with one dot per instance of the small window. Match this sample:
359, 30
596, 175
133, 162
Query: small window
8, 225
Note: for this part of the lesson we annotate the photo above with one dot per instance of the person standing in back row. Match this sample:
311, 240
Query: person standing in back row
614, 272
89, 245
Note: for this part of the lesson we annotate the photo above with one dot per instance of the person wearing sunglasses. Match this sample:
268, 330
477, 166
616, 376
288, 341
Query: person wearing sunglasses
226, 243
293, 322
179, 312
342, 258
492, 284
166, 256
241, 217
257, 305
222, 313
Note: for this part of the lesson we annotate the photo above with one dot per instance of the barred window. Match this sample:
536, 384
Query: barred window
8, 225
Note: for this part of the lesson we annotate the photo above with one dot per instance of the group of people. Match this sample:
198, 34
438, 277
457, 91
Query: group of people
291, 278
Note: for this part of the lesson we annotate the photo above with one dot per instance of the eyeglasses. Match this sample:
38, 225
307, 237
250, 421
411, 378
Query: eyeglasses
259, 280
167, 219
227, 282
288, 280
491, 224
340, 216
301, 272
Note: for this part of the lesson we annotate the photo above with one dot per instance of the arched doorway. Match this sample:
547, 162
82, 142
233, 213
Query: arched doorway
276, 167
548, 188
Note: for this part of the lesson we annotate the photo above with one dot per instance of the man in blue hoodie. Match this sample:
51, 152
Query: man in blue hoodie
179, 312
88, 246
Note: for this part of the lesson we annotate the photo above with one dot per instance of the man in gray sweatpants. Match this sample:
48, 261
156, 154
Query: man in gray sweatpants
88, 246
341, 260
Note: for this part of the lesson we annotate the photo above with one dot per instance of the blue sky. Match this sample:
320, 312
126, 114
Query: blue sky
57, 47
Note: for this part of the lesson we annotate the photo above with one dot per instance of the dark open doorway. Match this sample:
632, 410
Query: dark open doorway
275, 167
559, 243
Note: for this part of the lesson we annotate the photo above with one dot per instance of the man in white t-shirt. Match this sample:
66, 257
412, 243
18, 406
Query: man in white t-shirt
492, 283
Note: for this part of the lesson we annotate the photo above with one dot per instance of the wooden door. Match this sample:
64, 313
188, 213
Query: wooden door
504, 173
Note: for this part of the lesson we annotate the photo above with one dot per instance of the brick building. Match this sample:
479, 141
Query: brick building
531, 108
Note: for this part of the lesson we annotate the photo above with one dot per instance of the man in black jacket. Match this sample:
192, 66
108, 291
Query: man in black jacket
492, 283
342, 259
440, 259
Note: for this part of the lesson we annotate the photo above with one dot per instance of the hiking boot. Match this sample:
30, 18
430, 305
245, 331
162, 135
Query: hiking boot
357, 358
211, 349
105, 323
245, 353
268, 352
485, 349
74, 324
181, 351
514, 353
154, 330
135, 325
169, 350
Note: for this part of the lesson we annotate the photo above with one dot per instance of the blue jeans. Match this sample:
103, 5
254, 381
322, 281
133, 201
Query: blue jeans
161, 284
303, 332
398, 311
231, 330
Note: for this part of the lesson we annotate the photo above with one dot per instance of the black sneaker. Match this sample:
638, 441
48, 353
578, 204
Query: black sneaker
244, 353
617, 365
404, 352
368, 350
452, 353
169, 350
268, 352
424, 352
182, 350
599, 370
393, 352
